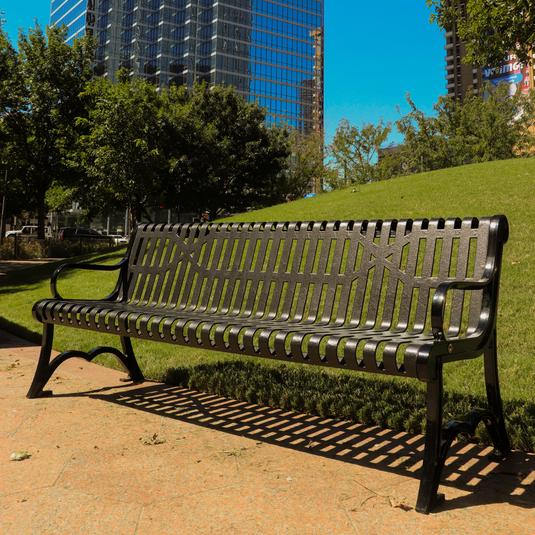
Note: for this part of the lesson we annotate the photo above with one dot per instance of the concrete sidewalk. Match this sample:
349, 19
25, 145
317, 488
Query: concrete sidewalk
106, 457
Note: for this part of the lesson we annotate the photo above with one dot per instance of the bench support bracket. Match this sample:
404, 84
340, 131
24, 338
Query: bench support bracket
45, 367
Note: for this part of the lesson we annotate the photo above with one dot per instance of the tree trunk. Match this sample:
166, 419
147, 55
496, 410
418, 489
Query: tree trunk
134, 217
41, 215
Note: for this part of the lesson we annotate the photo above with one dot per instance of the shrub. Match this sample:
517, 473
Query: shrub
26, 249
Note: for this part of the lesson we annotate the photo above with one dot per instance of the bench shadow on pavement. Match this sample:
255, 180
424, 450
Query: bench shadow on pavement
468, 469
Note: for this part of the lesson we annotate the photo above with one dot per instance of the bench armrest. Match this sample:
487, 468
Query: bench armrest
489, 283
438, 304
95, 267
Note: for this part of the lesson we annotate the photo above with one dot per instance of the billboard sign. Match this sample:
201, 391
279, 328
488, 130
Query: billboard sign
511, 72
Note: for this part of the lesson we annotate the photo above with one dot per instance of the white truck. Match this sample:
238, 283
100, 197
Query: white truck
26, 231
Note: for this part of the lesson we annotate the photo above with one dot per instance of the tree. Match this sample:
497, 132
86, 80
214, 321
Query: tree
226, 159
40, 87
11, 188
203, 149
355, 152
305, 167
496, 127
490, 28
125, 148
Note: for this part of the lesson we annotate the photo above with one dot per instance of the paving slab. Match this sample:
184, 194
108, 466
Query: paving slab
104, 456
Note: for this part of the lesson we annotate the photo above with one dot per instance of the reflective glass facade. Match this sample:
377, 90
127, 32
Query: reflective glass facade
270, 51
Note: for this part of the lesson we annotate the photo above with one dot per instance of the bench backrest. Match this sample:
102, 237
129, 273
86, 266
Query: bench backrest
376, 274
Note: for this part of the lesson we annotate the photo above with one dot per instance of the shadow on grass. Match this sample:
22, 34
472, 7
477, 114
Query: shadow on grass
468, 470
37, 274
28, 276
394, 403
20, 331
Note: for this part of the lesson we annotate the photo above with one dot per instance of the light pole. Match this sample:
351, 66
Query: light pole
2, 220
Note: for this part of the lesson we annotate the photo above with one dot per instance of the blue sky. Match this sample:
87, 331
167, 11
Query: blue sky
374, 54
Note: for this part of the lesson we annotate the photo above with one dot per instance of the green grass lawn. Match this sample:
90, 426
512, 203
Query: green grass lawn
506, 187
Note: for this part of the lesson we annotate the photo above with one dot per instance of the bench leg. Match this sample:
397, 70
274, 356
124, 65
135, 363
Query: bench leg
128, 360
496, 428
428, 496
44, 370
438, 440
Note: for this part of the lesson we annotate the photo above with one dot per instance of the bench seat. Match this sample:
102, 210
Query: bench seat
248, 336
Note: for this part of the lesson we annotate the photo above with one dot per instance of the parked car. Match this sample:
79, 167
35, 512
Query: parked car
117, 239
66, 233
26, 231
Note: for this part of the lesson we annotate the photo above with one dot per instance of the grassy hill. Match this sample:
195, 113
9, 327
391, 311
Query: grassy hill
506, 187
476, 190
503, 187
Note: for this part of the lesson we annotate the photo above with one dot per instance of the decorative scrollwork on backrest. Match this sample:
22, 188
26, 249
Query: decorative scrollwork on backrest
370, 274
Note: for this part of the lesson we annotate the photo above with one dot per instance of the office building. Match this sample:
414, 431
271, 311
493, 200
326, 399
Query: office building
459, 76
270, 51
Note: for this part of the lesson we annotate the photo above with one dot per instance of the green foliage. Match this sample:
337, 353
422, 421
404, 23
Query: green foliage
496, 127
125, 148
64, 137
490, 29
199, 149
59, 198
40, 87
26, 249
229, 159
355, 154
305, 167
48, 248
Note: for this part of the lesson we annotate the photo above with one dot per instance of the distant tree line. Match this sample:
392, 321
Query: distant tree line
496, 126
66, 137
493, 125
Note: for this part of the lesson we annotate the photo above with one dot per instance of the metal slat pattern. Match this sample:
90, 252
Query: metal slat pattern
349, 294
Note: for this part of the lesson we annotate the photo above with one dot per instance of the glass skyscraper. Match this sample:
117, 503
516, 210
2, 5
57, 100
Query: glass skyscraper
270, 51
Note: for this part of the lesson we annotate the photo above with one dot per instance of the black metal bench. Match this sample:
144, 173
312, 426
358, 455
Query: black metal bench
400, 298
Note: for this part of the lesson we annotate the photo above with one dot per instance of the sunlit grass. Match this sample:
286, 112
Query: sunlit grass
506, 187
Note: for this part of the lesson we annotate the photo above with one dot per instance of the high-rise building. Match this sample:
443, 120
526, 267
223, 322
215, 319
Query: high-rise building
459, 76
270, 51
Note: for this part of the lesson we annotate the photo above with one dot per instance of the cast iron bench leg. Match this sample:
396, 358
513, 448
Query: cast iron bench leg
438, 440
128, 360
428, 496
499, 437
44, 371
